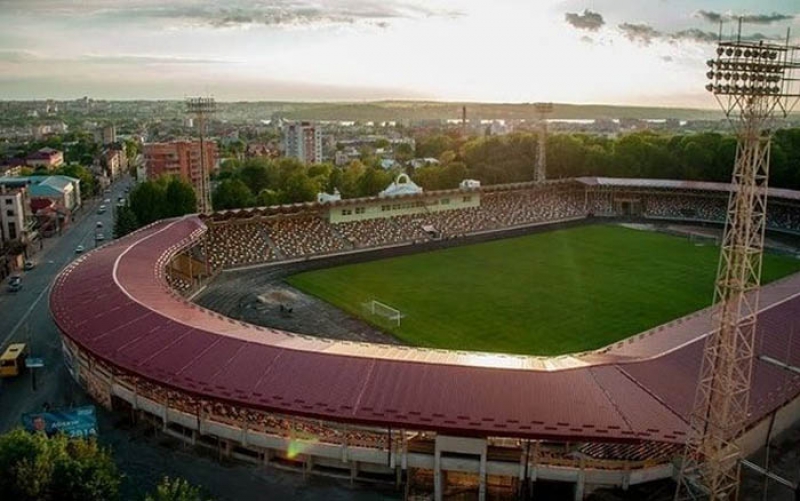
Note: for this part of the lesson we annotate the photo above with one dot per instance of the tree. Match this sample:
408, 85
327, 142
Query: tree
232, 194
124, 221
147, 200
403, 152
180, 198
257, 174
38, 468
373, 181
176, 489
299, 188
267, 198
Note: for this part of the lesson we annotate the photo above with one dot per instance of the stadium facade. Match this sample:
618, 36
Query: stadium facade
433, 421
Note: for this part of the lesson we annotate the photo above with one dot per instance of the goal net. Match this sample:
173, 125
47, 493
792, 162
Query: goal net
699, 239
378, 309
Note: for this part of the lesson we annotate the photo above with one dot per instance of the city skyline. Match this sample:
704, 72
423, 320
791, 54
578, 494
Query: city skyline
578, 51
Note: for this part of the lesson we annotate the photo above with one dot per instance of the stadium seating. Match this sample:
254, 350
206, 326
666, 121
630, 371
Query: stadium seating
306, 234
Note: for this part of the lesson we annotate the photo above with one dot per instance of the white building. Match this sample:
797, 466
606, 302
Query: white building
14, 214
303, 141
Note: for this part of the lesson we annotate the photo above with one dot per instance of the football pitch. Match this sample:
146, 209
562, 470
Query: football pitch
543, 294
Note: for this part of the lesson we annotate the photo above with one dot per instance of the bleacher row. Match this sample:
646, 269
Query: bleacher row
254, 240
257, 240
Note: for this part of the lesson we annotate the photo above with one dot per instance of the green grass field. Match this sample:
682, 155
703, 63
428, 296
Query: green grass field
544, 294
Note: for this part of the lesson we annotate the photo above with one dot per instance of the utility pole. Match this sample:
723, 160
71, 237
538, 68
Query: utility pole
542, 109
202, 108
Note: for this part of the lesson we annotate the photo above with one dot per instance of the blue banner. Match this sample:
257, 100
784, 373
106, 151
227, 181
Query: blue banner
75, 422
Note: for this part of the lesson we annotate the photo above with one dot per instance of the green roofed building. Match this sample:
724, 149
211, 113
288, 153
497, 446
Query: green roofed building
65, 191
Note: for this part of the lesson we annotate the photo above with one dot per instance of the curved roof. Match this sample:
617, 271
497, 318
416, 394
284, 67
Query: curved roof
114, 302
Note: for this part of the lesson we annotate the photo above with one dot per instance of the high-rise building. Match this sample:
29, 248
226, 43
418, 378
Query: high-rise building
180, 158
303, 141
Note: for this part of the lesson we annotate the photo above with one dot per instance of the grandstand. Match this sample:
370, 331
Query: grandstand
433, 420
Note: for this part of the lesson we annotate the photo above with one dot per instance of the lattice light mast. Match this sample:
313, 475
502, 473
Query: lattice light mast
755, 83
542, 109
202, 108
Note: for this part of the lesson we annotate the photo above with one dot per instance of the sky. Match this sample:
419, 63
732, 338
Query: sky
636, 52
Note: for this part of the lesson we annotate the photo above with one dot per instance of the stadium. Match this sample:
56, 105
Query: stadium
433, 421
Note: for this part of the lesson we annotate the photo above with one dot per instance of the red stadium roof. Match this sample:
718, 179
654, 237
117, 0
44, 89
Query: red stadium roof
115, 303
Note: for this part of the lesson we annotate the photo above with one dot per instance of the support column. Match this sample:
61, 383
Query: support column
580, 485
437, 476
482, 478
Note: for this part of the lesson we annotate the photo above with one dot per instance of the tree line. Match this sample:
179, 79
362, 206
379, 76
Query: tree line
503, 159
161, 198
263, 182
511, 158
37, 468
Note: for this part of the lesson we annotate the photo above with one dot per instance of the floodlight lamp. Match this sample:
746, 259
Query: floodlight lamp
710, 75
738, 52
710, 88
720, 50
710, 63
747, 53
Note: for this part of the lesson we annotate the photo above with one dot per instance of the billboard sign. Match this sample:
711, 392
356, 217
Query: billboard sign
74, 422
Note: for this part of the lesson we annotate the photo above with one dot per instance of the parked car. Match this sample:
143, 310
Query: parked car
79, 249
101, 210
99, 224
28, 265
99, 237
14, 283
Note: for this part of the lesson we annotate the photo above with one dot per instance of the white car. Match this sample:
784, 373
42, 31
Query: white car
99, 237
79, 249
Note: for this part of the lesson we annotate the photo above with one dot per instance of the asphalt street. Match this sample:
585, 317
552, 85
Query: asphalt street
25, 317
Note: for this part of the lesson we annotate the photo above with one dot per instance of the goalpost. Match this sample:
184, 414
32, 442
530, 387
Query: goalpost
383, 310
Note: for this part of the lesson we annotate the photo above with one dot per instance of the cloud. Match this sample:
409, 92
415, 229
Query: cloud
717, 17
148, 59
589, 20
18, 56
710, 16
587, 39
695, 35
667, 59
640, 33
235, 13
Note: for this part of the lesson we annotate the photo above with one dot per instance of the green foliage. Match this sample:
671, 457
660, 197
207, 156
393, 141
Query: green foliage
576, 282
124, 221
232, 194
162, 198
176, 489
37, 468
180, 198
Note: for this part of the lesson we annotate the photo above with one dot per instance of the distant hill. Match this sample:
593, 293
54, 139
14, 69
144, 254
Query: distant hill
430, 110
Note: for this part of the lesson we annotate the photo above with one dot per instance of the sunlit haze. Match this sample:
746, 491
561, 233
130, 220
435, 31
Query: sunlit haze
604, 51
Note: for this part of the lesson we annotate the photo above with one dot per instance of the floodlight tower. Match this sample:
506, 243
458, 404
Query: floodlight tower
202, 108
542, 109
754, 83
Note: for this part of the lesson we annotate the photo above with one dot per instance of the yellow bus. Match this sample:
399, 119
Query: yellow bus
12, 361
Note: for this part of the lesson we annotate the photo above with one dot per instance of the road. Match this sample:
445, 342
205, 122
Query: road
25, 316
143, 458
